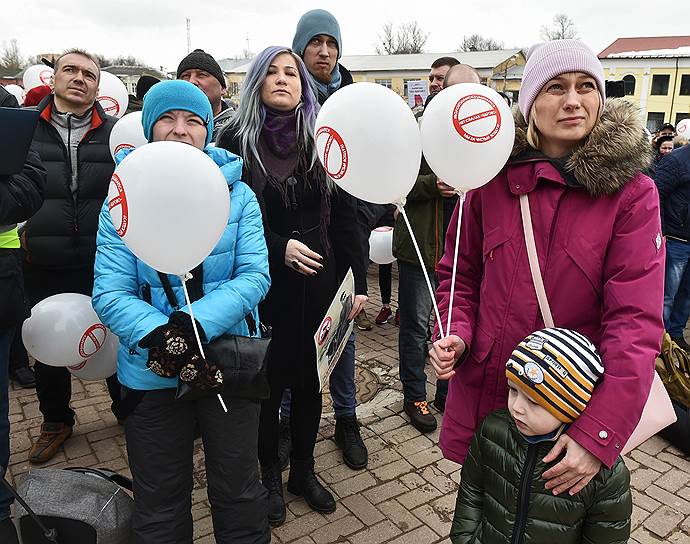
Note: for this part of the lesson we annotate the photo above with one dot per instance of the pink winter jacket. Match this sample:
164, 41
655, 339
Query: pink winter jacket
598, 236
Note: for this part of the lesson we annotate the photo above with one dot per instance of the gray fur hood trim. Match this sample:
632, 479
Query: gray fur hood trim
614, 152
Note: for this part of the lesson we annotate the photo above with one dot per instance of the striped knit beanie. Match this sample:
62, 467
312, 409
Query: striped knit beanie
558, 369
548, 60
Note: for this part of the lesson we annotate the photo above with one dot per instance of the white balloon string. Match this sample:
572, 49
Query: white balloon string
401, 209
461, 201
196, 330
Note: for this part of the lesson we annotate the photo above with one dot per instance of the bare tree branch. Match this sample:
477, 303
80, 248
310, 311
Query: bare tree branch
408, 38
10, 56
476, 42
563, 29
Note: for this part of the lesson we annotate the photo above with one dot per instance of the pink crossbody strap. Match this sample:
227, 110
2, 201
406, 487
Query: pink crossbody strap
534, 261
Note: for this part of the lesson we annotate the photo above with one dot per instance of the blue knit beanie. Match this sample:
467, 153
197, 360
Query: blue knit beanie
175, 95
313, 23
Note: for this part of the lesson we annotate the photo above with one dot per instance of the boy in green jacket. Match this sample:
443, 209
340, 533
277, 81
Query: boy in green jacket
551, 376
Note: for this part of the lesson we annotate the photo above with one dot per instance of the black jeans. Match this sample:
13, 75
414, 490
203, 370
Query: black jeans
160, 447
53, 384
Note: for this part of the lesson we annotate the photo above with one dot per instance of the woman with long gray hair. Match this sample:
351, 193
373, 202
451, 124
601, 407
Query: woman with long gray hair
313, 238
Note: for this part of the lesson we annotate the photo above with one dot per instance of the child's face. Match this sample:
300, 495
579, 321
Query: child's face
531, 418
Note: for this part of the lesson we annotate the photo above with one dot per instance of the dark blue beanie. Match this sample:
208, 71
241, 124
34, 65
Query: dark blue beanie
313, 23
175, 95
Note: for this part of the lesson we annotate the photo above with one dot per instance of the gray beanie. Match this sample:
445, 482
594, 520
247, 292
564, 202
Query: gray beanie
313, 23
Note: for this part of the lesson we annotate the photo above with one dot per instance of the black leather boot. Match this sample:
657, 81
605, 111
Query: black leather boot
303, 483
350, 441
273, 482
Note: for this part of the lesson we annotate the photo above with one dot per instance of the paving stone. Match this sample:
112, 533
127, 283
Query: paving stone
431, 518
392, 470
365, 511
385, 491
649, 461
383, 531
669, 499
353, 485
663, 521
302, 526
642, 478
332, 532
673, 480
398, 514
418, 536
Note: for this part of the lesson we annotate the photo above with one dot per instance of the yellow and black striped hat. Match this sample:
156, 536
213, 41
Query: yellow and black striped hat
557, 368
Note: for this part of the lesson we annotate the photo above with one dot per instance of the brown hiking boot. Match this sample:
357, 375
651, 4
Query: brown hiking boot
52, 436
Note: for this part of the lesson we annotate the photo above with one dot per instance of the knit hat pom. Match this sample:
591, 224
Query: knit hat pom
558, 369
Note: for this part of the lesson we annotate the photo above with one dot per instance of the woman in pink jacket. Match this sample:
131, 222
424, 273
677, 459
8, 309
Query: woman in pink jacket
598, 236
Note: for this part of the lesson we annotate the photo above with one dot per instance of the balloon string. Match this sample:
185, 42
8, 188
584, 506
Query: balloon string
401, 209
461, 201
196, 330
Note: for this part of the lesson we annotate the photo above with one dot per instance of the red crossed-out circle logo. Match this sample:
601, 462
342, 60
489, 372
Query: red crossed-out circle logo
119, 200
122, 146
78, 366
109, 105
324, 330
461, 124
92, 340
333, 136
45, 76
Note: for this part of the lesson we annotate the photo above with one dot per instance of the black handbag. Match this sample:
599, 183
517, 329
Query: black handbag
242, 359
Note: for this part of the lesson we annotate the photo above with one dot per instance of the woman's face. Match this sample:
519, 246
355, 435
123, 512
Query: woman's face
665, 148
282, 88
180, 126
565, 112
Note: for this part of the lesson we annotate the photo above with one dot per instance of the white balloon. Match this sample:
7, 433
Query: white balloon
467, 135
170, 204
36, 75
16, 91
128, 133
63, 330
100, 366
368, 142
683, 128
112, 95
381, 245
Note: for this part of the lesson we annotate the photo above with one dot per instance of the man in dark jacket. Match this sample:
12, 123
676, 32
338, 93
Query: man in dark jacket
60, 240
672, 177
317, 40
21, 195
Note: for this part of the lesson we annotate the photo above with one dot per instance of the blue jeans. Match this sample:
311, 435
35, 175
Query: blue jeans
415, 305
341, 384
6, 336
677, 287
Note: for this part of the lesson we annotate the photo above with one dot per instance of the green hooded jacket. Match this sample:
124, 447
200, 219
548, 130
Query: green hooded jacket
502, 497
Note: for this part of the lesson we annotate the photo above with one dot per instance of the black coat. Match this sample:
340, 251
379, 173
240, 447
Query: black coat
672, 177
296, 304
21, 195
62, 235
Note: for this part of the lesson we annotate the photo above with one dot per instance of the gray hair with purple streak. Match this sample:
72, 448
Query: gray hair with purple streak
251, 113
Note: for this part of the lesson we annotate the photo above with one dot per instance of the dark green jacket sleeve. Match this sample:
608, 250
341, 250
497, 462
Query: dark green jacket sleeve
608, 519
469, 506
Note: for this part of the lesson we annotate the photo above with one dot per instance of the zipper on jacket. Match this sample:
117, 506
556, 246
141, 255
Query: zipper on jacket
523, 499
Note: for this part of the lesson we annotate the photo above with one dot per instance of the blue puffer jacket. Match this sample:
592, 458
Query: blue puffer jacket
235, 280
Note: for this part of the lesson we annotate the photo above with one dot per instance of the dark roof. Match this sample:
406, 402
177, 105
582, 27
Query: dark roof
625, 45
134, 71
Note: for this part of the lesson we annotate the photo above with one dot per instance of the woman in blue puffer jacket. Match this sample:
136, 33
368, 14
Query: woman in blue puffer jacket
129, 296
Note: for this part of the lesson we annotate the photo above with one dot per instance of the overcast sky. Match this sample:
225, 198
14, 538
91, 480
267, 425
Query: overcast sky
155, 30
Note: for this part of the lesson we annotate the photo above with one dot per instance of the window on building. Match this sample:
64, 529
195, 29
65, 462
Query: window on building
685, 85
680, 117
385, 82
629, 85
654, 120
405, 82
660, 84
234, 88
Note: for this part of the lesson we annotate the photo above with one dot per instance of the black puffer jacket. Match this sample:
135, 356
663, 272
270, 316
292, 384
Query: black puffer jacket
62, 234
672, 177
502, 497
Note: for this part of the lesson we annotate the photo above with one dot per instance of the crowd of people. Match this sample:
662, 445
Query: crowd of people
526, 385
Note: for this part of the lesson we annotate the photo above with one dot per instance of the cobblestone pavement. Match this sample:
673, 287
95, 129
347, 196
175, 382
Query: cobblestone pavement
406, 494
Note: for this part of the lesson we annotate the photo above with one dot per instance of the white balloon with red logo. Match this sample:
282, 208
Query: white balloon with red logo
63, 330
37, 75
683, 128
381, 245
368, 141
169, 202
467, 135
16, 91
100, 366
112, 95
128, 133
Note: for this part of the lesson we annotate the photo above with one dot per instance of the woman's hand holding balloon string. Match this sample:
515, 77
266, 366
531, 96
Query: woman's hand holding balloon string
444, 354
300, 258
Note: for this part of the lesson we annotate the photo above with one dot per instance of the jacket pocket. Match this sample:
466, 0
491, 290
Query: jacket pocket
588, 262
482, 344
493, 240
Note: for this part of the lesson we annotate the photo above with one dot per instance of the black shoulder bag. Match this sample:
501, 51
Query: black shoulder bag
242, 359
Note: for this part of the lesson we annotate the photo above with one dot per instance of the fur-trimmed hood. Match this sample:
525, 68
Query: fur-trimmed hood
615, 150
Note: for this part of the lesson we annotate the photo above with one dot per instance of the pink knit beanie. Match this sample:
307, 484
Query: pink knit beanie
548, 60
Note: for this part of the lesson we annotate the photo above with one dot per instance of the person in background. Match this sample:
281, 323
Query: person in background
21, 195
157, 343
663, 145
551, 375
136, 101
202, 70
312, 235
